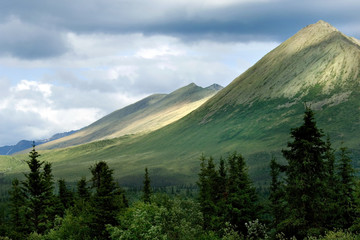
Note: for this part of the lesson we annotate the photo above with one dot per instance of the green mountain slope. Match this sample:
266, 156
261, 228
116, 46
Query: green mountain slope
141, 117
253, 115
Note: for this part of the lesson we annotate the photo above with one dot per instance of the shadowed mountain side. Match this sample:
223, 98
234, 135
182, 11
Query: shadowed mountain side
144, 116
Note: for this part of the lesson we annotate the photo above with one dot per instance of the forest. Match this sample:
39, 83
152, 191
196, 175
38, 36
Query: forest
313, 194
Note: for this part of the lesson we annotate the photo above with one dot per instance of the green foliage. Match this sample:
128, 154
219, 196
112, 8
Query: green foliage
70, 227
164, 218
256, 230
337, 235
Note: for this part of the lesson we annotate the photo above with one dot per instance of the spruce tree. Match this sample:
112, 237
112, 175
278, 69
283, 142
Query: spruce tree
66, 197
347, 203
242, 199
82, 190
207, 192
38, 187
17, 209
276, 193
107, 201
306, 178
50, 200
332, 189
146, 189
221, 191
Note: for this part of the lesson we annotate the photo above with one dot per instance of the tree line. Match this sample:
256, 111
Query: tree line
313, 194
35, 209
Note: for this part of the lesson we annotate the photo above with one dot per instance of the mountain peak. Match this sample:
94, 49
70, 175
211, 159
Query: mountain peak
321, 28
317, 55
215, 87
324, 25
313, 34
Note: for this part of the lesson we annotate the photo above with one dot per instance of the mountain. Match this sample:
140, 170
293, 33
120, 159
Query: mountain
144, 116
25, 144
319, 66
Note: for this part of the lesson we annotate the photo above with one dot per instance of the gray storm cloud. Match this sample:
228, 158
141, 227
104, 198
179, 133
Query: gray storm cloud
23, 40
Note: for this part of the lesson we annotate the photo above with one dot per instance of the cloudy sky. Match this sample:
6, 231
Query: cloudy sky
65, 64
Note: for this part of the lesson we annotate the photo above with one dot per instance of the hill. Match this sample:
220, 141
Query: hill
144, 116
253, 115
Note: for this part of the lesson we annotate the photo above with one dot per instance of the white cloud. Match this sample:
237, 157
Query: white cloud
29, 112
42, 88
162, 51
128, 72
105, 72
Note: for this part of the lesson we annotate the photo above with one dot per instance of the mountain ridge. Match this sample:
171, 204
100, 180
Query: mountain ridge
252, 115
144, 116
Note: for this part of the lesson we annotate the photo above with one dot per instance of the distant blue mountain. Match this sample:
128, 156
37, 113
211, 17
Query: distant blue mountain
25, 144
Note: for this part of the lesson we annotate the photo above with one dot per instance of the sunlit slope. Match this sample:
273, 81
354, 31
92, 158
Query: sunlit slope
317, 55
253, 115
144, 116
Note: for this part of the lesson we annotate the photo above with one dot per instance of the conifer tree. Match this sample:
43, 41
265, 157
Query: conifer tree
107, 201
332, 188
37, 187
17, 209
66, 197
221, 195
347, 203
82, 189
146, 188
207, 191
305, 178
276, 193
242, 198
50, 200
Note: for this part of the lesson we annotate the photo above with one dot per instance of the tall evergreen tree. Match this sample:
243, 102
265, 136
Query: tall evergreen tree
332, 188
226, 194
276, 193
347, 189
146, 189
207, 191
221, 191
17, 209
305, 178
66, 196
107, 201
38, 187
50, 200
83, 190
242, 198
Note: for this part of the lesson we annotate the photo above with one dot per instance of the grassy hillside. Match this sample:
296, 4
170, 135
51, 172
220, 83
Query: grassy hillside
253, 115
144, 116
